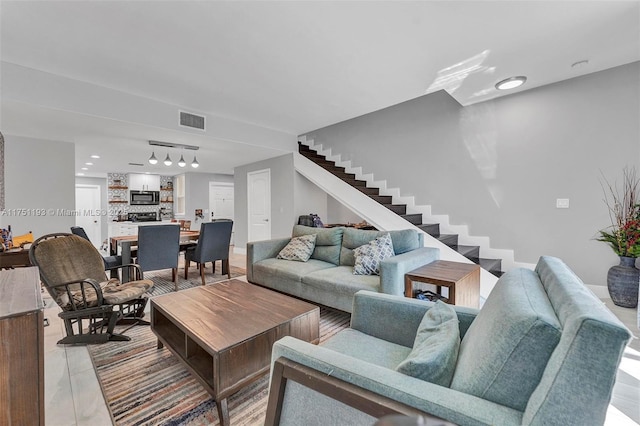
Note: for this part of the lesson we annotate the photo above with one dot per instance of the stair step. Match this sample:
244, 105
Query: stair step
450, 240
415, 219
356, 182
397, 208
367, 190
314, 156
383, 199
432, 229
468, 251
492, 265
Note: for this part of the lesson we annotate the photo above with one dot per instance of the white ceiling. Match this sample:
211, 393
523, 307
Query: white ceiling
294, 66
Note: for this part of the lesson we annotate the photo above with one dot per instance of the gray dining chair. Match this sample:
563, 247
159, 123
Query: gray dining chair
110, 262
213, 244
158, 248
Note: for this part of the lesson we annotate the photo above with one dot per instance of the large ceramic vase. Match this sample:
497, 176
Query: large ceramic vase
623, 281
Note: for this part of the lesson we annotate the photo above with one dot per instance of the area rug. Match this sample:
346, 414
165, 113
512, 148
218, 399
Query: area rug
162, 283
144, 385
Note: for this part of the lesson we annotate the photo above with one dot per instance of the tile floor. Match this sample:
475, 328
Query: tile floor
73, 395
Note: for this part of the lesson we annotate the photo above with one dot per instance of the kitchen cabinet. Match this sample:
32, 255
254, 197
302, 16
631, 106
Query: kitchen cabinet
144, 182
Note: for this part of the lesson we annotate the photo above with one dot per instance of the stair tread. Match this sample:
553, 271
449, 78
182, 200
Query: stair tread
448, 239
468, 250
432, 229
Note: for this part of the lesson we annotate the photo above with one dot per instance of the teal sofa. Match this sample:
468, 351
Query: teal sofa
543, 350
327, 277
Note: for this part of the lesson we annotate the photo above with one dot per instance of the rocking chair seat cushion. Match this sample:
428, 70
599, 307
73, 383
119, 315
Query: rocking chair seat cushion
115, 293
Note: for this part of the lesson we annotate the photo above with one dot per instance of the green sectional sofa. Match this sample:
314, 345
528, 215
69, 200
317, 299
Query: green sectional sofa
543, 350
327, 277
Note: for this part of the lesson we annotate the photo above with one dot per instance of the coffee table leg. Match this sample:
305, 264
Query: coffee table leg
223, 412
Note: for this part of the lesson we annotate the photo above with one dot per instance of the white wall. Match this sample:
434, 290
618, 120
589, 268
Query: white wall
499, 166
40, 185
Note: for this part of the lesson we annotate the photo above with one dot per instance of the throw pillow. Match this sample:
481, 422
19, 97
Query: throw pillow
299, 248
435, 348
369, 256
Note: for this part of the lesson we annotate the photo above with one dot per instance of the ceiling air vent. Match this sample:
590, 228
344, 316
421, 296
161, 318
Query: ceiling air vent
194, 121
136, 164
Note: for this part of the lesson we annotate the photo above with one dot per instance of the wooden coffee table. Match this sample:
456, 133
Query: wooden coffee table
223, 333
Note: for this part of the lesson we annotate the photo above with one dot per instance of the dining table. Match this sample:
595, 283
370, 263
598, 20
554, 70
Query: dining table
123, 244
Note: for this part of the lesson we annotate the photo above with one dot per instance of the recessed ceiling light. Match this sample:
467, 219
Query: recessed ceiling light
95, 156
84, 168
89, 164
79, 174
511, 83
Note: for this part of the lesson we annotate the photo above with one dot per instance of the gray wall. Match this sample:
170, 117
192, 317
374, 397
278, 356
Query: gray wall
39, 177
308, 198
104, 202
292, 195
499, 166
197, 193
282, 204
338, 213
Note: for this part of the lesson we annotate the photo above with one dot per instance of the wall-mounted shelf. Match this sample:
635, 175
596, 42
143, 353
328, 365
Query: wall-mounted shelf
117, 202
118, 187
164, 188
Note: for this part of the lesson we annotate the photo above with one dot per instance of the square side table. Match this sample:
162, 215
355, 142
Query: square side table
461, 279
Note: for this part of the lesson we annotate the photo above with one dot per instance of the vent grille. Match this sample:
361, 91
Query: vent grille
194, 121
136, 164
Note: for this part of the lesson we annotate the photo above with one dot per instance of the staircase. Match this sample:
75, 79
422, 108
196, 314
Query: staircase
451, 240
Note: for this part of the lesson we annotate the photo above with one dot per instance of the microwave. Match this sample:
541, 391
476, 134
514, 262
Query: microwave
144, 198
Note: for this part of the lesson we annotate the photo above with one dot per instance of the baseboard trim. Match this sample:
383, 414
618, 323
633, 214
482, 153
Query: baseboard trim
599, 290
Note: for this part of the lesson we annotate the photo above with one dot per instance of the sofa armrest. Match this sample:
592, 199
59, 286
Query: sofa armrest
392, 270
439, 401
260, 250
396, 319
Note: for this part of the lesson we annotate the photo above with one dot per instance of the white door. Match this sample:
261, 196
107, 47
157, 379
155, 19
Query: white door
88, 208
259, 203
220, 200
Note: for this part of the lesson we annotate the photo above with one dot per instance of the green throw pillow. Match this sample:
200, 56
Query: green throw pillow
435, 348
299, 248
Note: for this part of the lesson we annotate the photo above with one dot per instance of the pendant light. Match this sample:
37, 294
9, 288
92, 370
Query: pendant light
195, 163
182, 163
153, 159
167, 161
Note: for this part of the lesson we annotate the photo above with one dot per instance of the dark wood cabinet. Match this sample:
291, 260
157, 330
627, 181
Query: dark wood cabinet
21, 348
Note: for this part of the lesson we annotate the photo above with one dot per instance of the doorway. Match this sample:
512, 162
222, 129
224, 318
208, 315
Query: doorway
221, 202
259, 204
88, 208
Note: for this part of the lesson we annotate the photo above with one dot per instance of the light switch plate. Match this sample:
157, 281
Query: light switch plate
562, 203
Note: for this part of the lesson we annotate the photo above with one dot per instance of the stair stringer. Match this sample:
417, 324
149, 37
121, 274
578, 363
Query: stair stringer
464, 237
378, 215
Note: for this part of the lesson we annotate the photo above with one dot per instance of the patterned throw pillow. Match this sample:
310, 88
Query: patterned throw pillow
369, 256
299, 248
